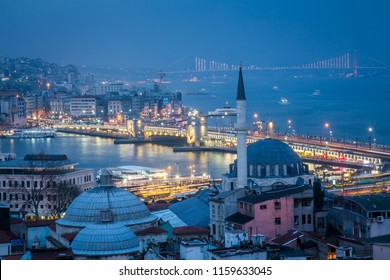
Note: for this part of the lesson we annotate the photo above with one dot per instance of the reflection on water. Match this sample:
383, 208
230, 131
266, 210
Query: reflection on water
96, 153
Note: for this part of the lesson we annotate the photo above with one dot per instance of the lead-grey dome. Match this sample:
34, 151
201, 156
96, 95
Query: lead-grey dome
108, 202
270, 151
104, 240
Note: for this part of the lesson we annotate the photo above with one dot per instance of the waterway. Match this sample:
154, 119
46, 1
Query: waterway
349, 105
97, 152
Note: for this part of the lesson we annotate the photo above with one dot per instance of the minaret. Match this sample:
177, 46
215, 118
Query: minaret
241, 129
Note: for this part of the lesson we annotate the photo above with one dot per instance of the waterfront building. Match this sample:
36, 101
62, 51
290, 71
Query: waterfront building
12, 108
114, 107
33, 185
35, 105
83, 106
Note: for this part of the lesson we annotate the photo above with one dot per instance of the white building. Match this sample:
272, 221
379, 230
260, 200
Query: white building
106, 87
39, 175
83, 106
114, 107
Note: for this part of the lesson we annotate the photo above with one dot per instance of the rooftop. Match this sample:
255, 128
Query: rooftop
151, 230
274, 194
239, 218
190, 230
372, 202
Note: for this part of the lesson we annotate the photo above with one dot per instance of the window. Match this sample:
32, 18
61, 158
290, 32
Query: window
4, 184
303, 219
306, 202
267, 170
241, 204
277, 205
296, 203
28, 184
22, 184
277, 221
41, 206
296, 220
309, 219
263, 207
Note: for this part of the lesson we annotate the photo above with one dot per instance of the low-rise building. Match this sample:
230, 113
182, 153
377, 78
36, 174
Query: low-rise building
42, 184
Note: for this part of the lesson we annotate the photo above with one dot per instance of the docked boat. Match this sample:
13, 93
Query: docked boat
31, 133
225, 111
134, 173
152, 183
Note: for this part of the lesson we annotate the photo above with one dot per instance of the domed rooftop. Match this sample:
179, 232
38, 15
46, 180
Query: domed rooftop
105, 239
270, 151
106, 203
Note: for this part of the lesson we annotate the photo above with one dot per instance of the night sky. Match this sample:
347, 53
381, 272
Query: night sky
160, 33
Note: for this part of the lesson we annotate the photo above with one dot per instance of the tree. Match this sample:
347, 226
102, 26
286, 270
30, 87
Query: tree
41, 185
64, 194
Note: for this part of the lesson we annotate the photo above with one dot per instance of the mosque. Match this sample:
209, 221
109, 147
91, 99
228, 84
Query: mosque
267, 191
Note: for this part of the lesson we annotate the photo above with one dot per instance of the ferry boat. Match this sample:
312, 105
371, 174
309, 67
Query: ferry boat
152, 183
225, 111
283, 101
31, 133
317, 92
203, 91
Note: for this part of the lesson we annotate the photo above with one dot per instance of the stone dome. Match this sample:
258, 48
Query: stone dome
105, 239
106, 204
270, 151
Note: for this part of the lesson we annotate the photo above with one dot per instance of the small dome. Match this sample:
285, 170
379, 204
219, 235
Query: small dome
270, 151
104, 240
106, 204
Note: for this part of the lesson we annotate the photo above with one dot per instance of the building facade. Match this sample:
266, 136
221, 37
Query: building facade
33, 185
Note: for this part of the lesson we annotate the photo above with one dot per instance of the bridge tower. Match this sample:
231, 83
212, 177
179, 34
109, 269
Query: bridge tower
355, 67
241, 130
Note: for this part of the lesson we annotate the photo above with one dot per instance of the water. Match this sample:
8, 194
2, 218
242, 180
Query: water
350, 106
96, 153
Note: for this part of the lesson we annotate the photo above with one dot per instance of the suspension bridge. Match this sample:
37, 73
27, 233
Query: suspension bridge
347, 61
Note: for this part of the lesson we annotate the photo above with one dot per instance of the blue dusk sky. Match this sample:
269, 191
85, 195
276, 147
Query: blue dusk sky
160, 33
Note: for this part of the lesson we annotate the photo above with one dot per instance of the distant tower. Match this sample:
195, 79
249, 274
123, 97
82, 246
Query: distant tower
241, 129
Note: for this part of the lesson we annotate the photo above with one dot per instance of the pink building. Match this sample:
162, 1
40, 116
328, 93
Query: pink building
274, 212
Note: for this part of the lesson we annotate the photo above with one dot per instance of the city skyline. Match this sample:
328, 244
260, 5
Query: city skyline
160, 34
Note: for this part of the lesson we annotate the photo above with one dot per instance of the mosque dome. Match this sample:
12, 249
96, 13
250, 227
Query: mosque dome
105, 239
106, 203
271, 158
270, 151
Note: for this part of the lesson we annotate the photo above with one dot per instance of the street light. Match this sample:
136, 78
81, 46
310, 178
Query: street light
369, 137
327, 126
